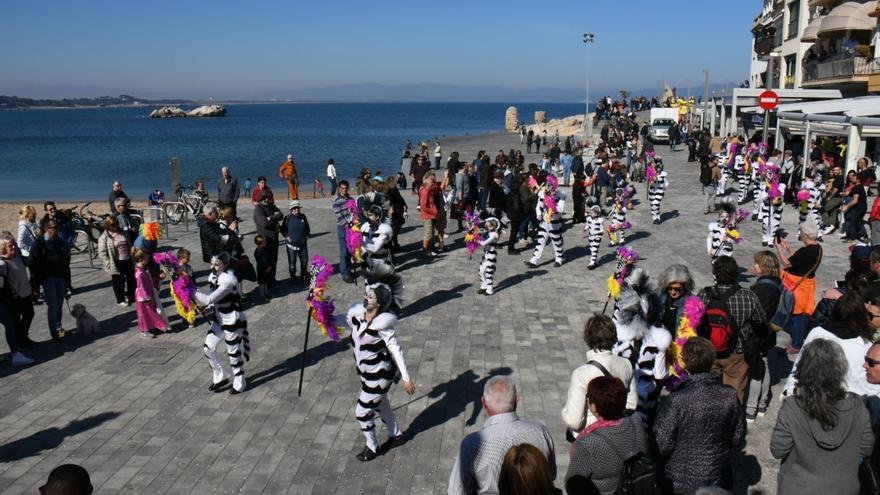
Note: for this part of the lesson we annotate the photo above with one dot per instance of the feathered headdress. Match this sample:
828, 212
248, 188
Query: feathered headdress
317, 300
687, 328
386, 285
473, 236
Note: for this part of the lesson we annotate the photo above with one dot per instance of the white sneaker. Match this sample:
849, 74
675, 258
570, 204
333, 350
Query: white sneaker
19, 359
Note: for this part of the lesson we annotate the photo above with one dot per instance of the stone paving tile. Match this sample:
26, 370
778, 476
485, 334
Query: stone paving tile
143, 428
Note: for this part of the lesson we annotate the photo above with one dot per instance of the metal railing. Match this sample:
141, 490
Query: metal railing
840, 66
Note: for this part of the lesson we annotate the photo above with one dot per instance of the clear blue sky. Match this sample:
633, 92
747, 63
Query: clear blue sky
237, 49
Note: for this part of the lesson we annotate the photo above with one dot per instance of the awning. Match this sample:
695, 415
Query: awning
811, 32
822, 3
848, 16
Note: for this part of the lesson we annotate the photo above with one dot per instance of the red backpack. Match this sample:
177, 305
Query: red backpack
719, 325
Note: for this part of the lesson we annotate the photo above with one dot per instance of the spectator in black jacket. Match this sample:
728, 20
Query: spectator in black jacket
515, 211
699, 425
49, 262
115, 194
496, 200
296, 234
227, 190
268, 218
214, 238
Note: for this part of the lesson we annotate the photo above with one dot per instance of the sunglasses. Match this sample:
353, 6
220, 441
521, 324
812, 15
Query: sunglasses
675, 288
871, 362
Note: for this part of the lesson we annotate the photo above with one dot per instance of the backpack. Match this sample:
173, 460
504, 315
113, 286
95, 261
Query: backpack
706, 175
719, 326
640, 473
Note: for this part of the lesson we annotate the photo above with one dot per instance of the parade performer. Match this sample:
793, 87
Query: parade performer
642, 342
378, 357
618, 226
626, 260
490, 256
376, 233
727, 163
771, 206
550, 207
321, 305
810, 199
354, 236
472, 237
229, 325
723, 233
595, 227
657, 188
744, 177
760, 180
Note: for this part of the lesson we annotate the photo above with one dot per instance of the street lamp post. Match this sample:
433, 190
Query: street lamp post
588, 122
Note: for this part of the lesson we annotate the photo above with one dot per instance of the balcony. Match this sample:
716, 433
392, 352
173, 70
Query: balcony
767, 44
840, 68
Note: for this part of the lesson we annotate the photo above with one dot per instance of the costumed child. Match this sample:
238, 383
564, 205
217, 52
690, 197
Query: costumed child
549, 209
810, 200
183, 258
229, 325
657, 184
744, 177
641, 341
771, 207
376, 233
759, 179
595, 227
378, 357
180, 285
490, 256
618, 226
723, 233
149, 318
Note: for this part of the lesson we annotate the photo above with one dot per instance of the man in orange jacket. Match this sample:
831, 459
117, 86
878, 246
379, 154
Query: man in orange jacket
287, 171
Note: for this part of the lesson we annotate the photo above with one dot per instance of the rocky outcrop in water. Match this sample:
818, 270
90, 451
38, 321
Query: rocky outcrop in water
511, 119
202, 111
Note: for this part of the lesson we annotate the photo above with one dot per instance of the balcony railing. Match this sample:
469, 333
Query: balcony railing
839, 66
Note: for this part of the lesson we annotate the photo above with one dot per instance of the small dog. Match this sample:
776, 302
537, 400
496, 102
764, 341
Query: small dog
86, 323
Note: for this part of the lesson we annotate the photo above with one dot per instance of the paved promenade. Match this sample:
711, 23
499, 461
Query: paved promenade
138, 416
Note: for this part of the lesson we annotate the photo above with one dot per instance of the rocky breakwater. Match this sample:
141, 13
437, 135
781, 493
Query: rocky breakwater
566, 126
202, 111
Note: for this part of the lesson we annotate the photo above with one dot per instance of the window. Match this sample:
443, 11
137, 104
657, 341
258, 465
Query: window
794, 12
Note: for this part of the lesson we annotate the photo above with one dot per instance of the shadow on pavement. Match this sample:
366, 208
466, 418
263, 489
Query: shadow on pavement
50, 437
435, 298
453, 399
294, 363
519, 277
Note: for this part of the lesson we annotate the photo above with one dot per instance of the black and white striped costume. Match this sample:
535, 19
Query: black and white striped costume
655, 194
744, 179
650, 363
376, 242
379, 361
487, 264
549, 231
618, 217
595, 227
772, 216
229, 325
761, 189
717, 242
726, 176
814, 205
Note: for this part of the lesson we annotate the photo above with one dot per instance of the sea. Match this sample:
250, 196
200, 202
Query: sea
76, 154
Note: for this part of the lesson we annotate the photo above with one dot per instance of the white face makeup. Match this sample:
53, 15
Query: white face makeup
370, 300
217, 265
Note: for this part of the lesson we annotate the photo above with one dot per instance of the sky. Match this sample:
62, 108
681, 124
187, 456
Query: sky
252, 49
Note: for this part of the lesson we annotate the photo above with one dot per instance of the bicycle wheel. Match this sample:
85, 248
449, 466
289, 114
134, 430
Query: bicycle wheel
80, 242
174, 212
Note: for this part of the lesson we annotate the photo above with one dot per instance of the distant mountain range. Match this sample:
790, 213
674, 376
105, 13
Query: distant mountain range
69, 95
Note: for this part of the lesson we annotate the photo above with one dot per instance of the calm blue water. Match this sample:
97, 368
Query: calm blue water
76, 154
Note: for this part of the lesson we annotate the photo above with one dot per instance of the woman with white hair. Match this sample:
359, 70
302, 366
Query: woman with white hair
822, 431
799, 276
674, 287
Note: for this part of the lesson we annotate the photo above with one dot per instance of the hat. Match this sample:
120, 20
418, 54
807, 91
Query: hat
294, 204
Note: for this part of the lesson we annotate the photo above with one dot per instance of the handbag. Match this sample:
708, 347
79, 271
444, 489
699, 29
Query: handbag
244, 270
781, 320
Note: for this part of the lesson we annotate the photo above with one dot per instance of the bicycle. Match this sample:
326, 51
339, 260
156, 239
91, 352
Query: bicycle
186, 203
87, 228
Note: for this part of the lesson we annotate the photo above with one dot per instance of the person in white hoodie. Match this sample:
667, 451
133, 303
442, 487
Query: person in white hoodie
850, 326
331, 177
600, 335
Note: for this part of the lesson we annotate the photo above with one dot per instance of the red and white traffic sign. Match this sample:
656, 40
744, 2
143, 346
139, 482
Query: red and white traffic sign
768, 100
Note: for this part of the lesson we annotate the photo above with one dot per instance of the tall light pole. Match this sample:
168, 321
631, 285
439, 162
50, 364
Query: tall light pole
705, 96
588, 122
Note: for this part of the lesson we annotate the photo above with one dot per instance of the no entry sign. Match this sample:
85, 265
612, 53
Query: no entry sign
768, 100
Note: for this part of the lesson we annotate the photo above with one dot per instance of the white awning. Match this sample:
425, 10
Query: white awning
848, 16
